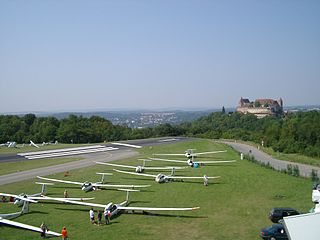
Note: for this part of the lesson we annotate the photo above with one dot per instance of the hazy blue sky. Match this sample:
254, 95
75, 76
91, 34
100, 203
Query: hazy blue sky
82, 55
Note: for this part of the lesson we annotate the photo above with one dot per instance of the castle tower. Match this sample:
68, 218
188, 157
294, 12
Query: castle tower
240, 104
281, 102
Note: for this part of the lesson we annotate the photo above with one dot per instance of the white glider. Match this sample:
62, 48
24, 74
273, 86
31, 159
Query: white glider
119, 208
139, 169
192, 163
161, 178
88, 186
189, 153
4, 218
26, 226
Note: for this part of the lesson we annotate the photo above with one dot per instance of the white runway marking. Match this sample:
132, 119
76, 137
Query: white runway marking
127, 145
60, 150
169, 140
66, 152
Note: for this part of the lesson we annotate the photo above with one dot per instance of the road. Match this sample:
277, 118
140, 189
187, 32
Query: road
305, 170
122, 153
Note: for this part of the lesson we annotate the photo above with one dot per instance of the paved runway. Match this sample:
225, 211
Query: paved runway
304, 170
121, 152
102, 147
87, 162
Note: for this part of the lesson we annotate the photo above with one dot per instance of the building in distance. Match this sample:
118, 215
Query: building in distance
261, 107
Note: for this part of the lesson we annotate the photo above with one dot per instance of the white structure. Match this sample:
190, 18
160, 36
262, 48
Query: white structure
303, 227
261, 107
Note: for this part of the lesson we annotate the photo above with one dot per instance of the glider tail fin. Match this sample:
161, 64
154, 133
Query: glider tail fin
25, 207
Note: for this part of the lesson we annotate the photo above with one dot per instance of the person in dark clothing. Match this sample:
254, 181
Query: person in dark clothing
99, 217
44, 229
106, 216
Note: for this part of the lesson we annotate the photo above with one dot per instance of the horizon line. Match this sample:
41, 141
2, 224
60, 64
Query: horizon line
185, 109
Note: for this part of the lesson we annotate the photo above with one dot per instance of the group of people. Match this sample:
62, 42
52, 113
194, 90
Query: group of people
64, 232
44, 229
4, 199
106, 213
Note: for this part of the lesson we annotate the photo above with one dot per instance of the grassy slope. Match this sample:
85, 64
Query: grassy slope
234, 207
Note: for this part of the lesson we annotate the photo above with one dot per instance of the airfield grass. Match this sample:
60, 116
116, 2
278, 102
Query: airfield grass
23, 165
236, 206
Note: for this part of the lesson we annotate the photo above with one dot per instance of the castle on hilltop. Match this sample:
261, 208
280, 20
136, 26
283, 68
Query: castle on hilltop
261, 107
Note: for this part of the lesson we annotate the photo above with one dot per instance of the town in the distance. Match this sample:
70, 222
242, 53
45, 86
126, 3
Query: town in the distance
151, 118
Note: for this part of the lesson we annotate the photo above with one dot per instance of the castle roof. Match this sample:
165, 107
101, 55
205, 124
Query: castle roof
264, 101
245, 100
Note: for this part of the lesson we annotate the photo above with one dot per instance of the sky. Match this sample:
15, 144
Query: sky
106, 55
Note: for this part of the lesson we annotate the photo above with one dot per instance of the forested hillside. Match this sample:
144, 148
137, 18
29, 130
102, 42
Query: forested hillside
73, 129
295, 133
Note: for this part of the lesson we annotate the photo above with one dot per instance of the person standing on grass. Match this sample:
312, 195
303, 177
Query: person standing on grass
64, 233
65, 194
44, 229
99, 217
109, 215
205, 180
106, 218
91, 214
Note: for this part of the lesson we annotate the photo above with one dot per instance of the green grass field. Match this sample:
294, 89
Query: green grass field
234, 207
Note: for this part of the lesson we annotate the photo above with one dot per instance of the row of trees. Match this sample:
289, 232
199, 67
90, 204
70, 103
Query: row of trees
295, 133
73, 129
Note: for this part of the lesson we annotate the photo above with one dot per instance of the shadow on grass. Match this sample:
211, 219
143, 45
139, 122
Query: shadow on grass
116, 190
219, 165
74, 209
164, 215
110, 223
169, 170
183, 181
38, 212
139, 202
198, 182
66, 187
139, 179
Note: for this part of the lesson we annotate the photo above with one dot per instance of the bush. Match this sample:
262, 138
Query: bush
314, 176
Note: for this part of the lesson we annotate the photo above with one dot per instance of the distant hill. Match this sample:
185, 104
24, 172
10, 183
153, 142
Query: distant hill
138, 119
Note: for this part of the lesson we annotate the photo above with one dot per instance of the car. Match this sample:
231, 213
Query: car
277, 214
274, 232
